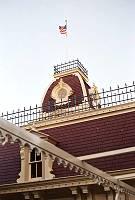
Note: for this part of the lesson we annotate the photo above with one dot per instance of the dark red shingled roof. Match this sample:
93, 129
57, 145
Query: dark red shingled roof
100, 135
9, 163
109, 163
73, 81
94, 136
60, 171
115, 162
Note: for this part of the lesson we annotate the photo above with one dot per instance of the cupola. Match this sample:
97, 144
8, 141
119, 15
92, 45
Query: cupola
69, 88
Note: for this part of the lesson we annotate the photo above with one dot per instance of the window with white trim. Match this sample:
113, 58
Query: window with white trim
35, 164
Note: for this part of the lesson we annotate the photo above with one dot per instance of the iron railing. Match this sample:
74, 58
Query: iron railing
69, 66
103, 99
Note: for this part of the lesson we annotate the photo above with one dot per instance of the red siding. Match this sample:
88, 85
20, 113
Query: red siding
9, 163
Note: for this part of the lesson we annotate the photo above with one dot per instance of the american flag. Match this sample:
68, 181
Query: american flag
63, 29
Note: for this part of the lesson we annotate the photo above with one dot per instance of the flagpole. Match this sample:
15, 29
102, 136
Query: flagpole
63, 31
66, 44
66, 27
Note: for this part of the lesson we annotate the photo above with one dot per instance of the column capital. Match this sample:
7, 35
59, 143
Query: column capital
26, 195
84, 189
74, 190
36, 195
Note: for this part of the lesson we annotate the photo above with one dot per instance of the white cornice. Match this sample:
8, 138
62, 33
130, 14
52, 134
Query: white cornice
82, 116
71, 72
45, 185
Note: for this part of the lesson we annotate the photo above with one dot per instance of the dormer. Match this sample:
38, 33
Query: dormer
36, 165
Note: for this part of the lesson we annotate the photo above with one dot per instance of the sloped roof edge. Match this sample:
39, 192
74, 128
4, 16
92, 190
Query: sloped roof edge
20, 134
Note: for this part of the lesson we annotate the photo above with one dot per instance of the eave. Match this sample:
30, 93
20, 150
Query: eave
82, 116
45, 185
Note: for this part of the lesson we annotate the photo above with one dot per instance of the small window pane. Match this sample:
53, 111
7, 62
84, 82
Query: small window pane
38, 156
39, 169
32, 156
33, 170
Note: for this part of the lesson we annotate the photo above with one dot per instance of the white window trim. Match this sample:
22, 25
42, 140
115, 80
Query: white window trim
35, 178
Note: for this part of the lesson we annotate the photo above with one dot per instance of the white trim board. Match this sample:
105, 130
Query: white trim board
107, 153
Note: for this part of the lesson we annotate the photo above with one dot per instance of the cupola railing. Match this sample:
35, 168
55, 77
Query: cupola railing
75, 64
94, 101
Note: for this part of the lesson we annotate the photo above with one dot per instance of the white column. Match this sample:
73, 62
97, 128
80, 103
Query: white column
110, 195
21, 174
117, 196
89, 196
24, 173
109, 192
47, 163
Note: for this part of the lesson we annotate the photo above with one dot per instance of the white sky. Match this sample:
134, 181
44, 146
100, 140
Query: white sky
101, 33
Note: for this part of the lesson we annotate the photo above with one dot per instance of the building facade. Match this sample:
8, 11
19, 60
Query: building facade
79, 144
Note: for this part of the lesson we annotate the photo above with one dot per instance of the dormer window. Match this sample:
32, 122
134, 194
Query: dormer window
36, 164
